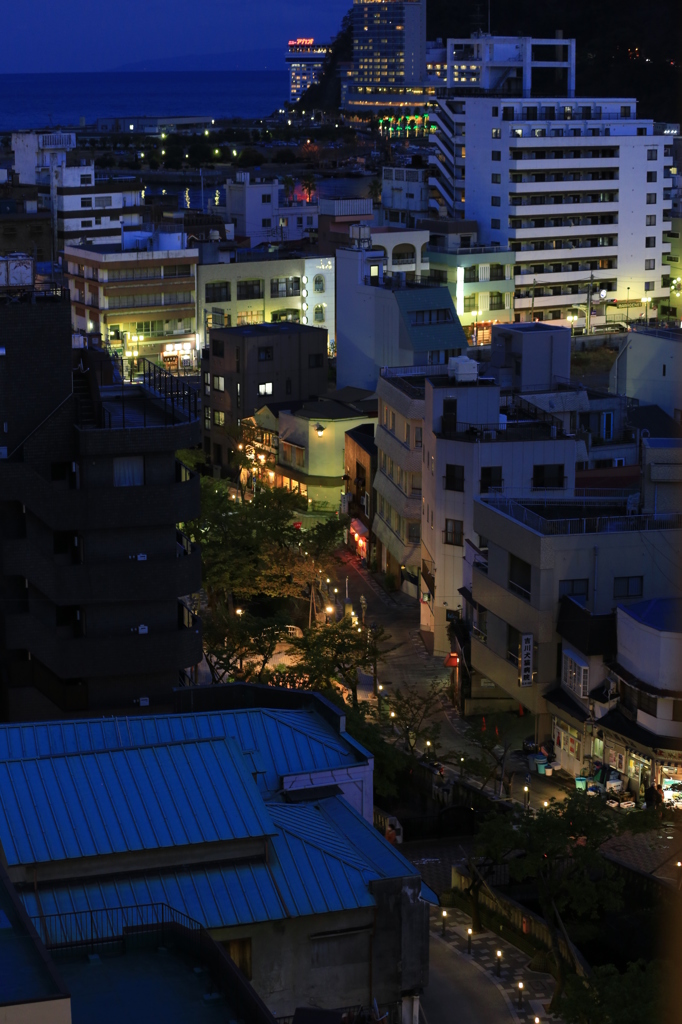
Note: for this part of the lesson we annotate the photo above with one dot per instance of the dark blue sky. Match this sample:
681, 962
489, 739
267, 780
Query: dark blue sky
95, 35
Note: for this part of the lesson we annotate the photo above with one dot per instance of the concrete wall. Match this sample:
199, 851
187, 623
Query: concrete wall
638, 370
44, 1011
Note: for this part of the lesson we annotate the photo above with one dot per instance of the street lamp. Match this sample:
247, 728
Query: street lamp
469, 940
445, 914
239, 611
571, 319
520, 995
526, 797
646, 300
499, 962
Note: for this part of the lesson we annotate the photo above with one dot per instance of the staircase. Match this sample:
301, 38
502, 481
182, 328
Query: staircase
85, 409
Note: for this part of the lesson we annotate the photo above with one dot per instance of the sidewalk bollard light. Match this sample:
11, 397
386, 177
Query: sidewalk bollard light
461, 767
445, 914
520, 995
499, 962
526, 798
536, 1021
468, 940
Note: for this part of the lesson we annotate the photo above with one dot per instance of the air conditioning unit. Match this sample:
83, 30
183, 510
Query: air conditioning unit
142, 558
143, 629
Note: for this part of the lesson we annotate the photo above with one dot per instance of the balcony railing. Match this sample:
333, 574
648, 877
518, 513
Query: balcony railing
519, 590
510, 431
396, 282
583, 524
107, 928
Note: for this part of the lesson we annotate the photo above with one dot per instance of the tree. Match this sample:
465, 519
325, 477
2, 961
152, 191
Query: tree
309, 185
608, 997
559, 847
410, 709
493, 846
492, 745
226, 643
288, 184
374, 191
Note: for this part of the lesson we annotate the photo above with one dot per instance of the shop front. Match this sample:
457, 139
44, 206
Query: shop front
358, 537
671, 781
568, 746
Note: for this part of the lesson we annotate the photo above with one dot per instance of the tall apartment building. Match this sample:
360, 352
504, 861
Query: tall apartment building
527, 150
539, 549
92, 207
261, 212
388, 319
398, 482
245, 368
305, 59
139, 296
266, 287
25, 224
93, 566
36, 154
471, 447
389, 56
404, 195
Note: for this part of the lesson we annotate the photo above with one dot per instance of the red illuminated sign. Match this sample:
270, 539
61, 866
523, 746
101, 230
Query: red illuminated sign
301, 42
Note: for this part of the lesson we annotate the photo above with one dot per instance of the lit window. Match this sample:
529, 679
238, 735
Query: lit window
265, 388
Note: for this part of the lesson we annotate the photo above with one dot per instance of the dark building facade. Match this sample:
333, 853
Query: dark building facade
245, 368
92, 563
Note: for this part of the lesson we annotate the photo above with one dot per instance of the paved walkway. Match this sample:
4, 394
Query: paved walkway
456, 992
537, 987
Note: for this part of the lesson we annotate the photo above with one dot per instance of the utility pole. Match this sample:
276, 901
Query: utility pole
588, 308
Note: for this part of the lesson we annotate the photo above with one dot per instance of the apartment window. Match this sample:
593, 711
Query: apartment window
218, 418
266, 197
495, 112
86, 179
652, 154
548, 476
649, 264
86, 203
519, 577
265, 388
219, 383
413, 533
651, 220
625, 111
496, 179
652, 175
249, 290
178, 270
513, 645
392, 421
495, 223
651, 198
318, 315
650, 242
250, 316
218, 347
207, 418
628, 586
491, 477
265, 354
239, 395
496, 154
454, 478
418, 437
453, 533
574, 588
129, 471
284, 287
606, 426
86, 223
575, 675
216, 291
497, 133
319, 283
649, 286
266, 222
495, 201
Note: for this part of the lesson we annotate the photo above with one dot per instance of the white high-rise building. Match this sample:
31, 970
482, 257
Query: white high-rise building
579, 188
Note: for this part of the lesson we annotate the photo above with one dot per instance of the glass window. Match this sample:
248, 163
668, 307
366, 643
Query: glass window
283, 287
265, 388
574, 588
265, 354
319, 283
216, 291
454, 478
319, 314
418, 437
219, 383
218, 418
453, 533
249, 290
129, 471
491, 477
519, 577
576, 677
548, 476
628, 586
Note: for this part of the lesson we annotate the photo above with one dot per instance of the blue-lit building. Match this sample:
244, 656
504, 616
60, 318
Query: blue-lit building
253, 822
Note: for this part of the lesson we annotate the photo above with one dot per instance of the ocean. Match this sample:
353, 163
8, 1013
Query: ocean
61, 100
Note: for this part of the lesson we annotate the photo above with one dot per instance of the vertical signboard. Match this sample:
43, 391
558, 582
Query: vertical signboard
526, 659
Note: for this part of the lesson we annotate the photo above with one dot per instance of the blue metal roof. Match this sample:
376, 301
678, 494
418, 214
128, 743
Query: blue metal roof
314, 868
142, 798
286, 742
662, 613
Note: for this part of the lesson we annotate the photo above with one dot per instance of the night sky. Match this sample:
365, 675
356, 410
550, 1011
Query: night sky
96, 35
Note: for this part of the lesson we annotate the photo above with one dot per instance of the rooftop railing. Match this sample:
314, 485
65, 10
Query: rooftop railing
395, 282
583, 524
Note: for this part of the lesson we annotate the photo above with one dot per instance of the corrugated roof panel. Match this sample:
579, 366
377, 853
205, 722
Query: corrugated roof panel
75, 805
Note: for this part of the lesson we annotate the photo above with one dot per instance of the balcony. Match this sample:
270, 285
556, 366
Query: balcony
519, 590
89, 656
565, 517
428, 576
526, 430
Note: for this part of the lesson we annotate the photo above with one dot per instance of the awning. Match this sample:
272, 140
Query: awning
428, 895
356, 526
452, 660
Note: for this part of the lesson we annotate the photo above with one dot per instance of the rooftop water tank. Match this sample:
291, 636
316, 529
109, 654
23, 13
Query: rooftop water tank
462, 368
